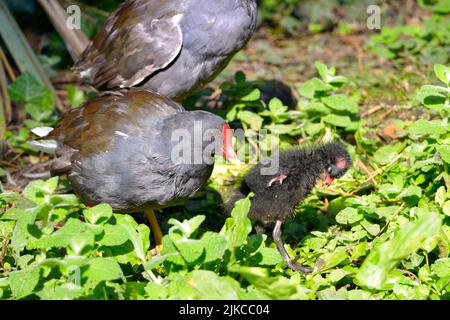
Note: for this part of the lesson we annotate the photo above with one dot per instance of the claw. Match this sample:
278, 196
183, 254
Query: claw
279, 179
292, 263
298, 267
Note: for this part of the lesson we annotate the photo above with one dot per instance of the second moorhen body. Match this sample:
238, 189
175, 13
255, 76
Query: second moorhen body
171, 47
276, 195
137, 151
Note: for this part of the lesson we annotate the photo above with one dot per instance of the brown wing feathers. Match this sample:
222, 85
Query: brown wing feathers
128, 48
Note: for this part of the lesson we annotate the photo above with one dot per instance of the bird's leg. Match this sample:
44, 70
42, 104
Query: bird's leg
292, 263
278, 179
156, 230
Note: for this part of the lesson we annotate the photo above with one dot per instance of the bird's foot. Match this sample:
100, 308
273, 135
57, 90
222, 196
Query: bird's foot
298, 267
157, 251
278, 179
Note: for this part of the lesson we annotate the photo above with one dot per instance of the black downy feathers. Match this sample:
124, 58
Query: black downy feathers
277, 194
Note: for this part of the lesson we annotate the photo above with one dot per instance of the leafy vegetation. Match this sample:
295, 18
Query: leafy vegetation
384, 233
380, 232
427, 43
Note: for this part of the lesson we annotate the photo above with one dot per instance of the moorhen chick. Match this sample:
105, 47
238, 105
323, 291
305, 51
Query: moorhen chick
276, 195
137, 151
171, 47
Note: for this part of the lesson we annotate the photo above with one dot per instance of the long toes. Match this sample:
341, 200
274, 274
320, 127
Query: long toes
298, 267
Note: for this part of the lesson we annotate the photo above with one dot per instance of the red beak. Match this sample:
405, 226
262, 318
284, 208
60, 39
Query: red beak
227, 144
327, 179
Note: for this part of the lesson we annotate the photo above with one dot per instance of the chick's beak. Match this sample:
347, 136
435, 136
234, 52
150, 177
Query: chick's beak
327, 179
227, 145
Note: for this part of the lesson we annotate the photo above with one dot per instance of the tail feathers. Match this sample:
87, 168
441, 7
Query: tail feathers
42, 132
46, 146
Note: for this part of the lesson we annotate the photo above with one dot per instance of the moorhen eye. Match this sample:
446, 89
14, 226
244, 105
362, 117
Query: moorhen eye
297, 173
170, 47
136, 170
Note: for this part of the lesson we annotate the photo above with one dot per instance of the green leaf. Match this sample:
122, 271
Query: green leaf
444, 151
387, 153
337, 275
190, 250
328, 75
276, 107
441, 268
64, 236
138, 234
332, 259
267, 257
348, 216
240, 77
156, 291
316, 106
6, 229
254, 120
204, 285
275, 287
38, 191
186, 228
412, 191
311, 87
21, 235
424, 127
158, 260
384, 257
341, 102
255, 95
114, 235
53, 291
103, 269
443, 7
371, 228
359, 250
337, 121
99, 214
27, 89
441, 195
81, 243
23, 282
442, 72
323, 70
238, 227
214, 245
446, 208
314, 128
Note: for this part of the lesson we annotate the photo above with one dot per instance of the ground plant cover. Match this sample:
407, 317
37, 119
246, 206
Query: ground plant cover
382, 231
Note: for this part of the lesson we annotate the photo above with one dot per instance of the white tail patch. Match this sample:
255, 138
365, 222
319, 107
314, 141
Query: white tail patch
42, 131
121, 134
46, 146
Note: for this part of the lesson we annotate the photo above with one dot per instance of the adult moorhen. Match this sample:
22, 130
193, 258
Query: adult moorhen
276, 195
171, 47
137, 151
